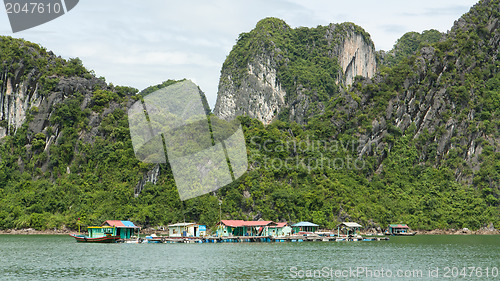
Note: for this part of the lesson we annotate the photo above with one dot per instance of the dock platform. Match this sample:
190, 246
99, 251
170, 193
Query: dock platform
262, 239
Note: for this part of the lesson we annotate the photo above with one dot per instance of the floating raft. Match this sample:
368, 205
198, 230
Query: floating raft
249, 239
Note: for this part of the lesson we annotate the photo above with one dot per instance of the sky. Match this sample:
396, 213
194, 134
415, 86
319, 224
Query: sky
143, 43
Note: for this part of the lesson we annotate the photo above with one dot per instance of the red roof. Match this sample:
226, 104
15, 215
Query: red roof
281, 224
240, 223
118, 223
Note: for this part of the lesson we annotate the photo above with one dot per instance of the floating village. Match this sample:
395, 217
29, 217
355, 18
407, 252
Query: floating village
115, 231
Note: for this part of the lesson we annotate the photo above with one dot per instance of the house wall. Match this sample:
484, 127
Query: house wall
286, 231
125, 233
224, 231
275, 232
202, 229
99, 232
279, 231
191, 229
175, 231
399, 230
95, 232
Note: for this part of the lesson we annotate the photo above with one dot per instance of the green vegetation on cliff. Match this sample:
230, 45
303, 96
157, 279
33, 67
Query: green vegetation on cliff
305, 59
417, 144
410, 43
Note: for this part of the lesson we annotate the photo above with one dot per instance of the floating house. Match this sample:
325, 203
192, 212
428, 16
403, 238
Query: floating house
399, 229
244, 228
304, 226
280, 230
186, 229
123, 229
348, 228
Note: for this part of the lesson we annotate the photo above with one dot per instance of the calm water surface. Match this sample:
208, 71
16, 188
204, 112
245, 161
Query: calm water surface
53, 257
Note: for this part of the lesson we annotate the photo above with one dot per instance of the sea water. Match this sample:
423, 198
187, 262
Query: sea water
421, 257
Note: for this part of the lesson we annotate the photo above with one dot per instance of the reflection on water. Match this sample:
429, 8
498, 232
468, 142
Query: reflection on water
45, 257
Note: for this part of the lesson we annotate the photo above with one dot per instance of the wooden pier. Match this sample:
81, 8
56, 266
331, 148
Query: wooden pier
262, 239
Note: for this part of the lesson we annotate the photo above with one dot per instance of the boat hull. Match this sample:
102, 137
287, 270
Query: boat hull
104, 239
155, 239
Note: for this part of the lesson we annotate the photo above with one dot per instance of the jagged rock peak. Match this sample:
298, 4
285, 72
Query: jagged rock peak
275, 70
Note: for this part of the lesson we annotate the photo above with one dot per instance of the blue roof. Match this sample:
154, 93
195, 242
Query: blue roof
122, 224
305, 223
128, 223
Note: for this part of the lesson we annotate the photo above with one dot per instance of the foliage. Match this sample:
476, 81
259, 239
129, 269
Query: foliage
303, 58
312, 172
155, 88
410, 43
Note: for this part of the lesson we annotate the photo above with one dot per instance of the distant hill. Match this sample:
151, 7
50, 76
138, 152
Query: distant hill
409, 44
426, 124
335, 132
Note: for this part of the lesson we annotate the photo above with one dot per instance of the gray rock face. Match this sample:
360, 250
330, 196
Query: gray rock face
355, 54
260, 94
31, 105
16, 99
151, 176
429, 106
23, 102
19, 101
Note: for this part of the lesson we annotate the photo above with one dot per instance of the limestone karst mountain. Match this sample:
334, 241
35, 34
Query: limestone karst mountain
335, 131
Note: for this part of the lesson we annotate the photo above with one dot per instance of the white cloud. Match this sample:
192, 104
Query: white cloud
168, 59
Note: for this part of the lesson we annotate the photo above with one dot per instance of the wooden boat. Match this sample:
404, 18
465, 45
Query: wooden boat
111, 231
105, 239
155, 239
404, 234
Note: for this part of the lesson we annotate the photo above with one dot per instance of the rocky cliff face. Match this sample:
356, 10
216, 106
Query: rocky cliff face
443, 93
267, 83
43, 98
260, 94
15, 102
445, 97
355, 54
151, 176
22, 101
